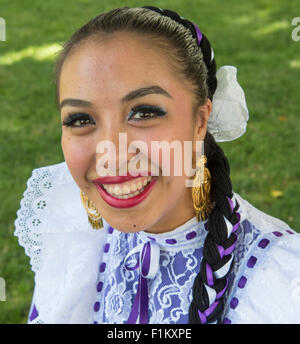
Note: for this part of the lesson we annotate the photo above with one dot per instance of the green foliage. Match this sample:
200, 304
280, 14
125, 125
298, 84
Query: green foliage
254, 36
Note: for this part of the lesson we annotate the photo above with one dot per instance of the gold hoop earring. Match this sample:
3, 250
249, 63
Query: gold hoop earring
94, 217
201, 190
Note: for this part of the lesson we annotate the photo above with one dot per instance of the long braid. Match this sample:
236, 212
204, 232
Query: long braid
211, 282
208, 289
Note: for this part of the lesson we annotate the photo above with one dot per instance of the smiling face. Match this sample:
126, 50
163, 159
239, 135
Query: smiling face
122, 79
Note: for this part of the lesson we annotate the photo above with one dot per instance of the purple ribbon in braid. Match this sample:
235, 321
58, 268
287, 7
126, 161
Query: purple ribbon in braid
210, 274
199, 34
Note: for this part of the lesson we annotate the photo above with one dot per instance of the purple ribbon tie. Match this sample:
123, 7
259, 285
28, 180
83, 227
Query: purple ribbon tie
148, 264
199, 34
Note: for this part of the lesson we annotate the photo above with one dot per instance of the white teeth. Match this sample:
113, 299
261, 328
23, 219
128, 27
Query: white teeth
117, 190
129, 189
110, 189
126, 189
133, 187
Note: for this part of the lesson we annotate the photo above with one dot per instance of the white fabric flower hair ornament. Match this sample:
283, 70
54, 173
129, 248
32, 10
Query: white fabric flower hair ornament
229, 116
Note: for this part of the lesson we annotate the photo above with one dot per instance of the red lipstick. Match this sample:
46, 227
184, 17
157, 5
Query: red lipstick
119, 179
123, 203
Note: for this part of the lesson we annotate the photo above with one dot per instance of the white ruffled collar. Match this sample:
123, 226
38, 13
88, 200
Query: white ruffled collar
182, 237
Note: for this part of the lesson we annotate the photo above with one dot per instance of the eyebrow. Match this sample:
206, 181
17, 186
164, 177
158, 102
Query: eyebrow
140, 92
144, 91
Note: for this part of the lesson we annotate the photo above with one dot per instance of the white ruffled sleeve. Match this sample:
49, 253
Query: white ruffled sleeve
64, 250
267, 290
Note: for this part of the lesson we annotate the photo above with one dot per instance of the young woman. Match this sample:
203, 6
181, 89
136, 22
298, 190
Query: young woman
164, 252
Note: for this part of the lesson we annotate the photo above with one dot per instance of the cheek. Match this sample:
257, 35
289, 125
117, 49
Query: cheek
167, 151
77, 153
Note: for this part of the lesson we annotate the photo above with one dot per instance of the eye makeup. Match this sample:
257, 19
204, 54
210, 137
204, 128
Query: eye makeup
82, 120
137, 113
145, 112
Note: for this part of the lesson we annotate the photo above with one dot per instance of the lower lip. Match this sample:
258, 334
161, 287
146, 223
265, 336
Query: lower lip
128, 202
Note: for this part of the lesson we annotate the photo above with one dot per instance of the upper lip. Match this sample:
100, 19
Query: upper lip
119, 179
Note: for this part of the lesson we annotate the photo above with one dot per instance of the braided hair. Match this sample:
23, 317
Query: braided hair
193, 58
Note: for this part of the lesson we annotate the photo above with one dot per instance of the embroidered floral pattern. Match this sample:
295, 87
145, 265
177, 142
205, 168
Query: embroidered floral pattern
170, 292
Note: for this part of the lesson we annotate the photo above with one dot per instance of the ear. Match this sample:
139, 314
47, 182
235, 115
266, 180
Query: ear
202, 115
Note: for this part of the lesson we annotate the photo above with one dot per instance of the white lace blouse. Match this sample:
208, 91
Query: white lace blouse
88, 276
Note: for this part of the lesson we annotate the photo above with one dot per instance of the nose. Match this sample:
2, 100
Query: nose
112, 154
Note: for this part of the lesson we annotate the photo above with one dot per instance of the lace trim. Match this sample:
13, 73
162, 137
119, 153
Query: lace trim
31, 220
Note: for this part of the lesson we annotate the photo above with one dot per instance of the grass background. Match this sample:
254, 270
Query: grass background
254, 36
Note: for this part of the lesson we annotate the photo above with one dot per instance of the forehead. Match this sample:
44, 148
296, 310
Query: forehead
112, 66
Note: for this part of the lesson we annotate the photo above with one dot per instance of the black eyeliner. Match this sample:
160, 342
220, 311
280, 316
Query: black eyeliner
144, 108
75, 116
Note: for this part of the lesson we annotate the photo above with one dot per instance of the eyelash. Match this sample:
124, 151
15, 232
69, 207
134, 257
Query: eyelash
156, 111
150, 110
77, 116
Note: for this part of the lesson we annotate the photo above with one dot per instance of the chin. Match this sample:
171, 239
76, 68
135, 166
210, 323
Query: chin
127, 227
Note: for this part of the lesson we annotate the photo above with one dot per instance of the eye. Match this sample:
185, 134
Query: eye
78, 120
145, 112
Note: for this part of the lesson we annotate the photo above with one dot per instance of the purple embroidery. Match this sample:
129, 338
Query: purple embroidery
34, 314
242, 282
171, 241
99, 286
106, 247
95, 322
153, 239
191, 235
234, 302
251, 262
227, 321
102, 267
96, 306
278, 234
263, 243
290, 232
